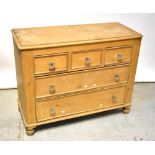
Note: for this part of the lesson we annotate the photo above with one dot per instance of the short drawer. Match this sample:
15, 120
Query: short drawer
50, 63
80, 81
118, 55
79, 103
86, 59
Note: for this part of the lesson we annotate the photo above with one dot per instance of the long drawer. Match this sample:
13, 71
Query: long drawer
65, 83
69, 105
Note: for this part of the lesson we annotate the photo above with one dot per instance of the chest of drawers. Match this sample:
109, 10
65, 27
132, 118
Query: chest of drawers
70, 71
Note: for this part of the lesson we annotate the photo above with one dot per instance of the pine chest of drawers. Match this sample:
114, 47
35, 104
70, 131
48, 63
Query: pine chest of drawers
70, 71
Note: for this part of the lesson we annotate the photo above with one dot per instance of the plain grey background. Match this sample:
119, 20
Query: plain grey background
143, 23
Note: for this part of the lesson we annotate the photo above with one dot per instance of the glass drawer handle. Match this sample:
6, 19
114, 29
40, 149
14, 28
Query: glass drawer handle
51, 66
117, 78
120, 57
52, 89
52, 112
114, 99
87, 61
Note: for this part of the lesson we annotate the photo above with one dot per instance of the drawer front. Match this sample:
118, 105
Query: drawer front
80, 81
51, 64
86, 59
79, 103
118, 55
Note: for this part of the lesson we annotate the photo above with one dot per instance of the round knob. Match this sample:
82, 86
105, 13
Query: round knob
51, 66
87, 61
52, 89
117, 78
52, 112
120, 57
114, 99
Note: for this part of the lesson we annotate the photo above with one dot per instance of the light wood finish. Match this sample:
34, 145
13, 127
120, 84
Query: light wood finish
133, 70
30, 131
118, 55
70, 71
82, 47
25, 83
71, 105
86, 59
42, 37
51, 63
126, 109
84, 80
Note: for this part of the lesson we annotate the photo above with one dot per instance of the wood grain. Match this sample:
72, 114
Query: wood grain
74, 87
133, 70
78, 58
70, 35
111, 55
42, 63
79, 103
84, 80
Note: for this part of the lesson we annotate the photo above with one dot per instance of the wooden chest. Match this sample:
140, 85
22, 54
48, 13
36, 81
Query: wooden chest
70, 71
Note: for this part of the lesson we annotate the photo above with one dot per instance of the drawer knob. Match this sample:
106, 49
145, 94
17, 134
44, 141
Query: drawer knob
87, 61
114, 99
52, 112
52, 89
117, 78
119, 57
51, 66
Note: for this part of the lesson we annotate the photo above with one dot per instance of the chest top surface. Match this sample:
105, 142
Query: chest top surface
41, 37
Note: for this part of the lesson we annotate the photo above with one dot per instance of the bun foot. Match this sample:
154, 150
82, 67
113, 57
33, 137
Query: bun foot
126, 110
29, 131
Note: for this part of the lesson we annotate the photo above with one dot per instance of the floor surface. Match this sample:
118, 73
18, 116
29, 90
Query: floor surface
138, 125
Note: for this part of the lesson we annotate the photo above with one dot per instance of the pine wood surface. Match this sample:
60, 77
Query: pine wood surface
71, 71
76, 34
